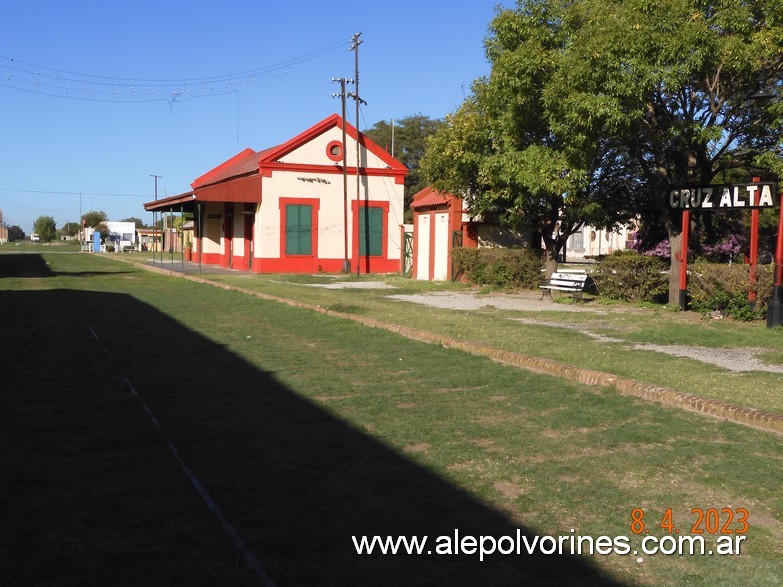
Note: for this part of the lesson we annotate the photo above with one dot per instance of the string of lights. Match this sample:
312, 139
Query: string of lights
29, 77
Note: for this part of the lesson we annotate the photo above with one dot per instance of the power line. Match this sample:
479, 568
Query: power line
75, 193
56, 82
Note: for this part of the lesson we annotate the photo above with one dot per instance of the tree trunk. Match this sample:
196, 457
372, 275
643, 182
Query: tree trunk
550, 258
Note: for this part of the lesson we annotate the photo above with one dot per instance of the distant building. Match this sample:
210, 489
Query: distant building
590, 242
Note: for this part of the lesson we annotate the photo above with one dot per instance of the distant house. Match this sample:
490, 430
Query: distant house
590, 241
122, 235
295, 208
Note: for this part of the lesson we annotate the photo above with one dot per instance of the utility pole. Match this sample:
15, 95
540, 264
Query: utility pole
355, 42
343, 95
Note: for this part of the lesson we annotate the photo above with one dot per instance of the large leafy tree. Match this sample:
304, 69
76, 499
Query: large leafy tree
501, 151
93, 218
406, 140
137, 221
15, 233
70, 229
46, 228
669, 80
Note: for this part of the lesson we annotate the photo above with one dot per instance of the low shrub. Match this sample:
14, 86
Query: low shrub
631, 277
502, 268
722, 287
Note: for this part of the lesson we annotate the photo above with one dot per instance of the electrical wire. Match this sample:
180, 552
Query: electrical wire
29, 77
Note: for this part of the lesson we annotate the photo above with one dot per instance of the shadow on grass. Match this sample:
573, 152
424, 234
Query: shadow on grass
93, 495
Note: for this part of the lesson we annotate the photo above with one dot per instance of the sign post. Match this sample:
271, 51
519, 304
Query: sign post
752, 196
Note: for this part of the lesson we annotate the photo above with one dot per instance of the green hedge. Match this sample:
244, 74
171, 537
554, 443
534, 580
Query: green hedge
503, 268
720, 287
631, 277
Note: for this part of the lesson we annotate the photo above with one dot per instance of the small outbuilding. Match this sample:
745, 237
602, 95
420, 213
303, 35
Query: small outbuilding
439, 225
304, 206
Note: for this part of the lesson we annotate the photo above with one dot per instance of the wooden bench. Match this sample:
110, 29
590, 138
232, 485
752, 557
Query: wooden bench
574, 283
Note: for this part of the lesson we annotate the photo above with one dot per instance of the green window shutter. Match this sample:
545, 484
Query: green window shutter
372, 217
298, 229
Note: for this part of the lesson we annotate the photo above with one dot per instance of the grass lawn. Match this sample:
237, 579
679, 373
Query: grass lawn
307, 430
628, 324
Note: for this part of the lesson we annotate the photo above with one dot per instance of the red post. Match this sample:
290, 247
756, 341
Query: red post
686, 225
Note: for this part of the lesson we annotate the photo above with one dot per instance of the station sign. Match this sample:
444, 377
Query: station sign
724, 197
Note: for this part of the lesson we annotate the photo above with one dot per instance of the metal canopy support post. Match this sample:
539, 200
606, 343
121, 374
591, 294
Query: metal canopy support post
182, 236
200, 237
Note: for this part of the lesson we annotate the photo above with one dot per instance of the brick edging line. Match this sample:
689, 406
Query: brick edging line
752, 417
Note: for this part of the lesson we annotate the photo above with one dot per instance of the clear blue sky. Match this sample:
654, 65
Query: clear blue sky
76, 117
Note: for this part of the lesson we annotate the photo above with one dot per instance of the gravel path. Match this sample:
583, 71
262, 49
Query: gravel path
733, 359
526, 301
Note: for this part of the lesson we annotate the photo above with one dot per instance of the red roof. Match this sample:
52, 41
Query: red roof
428, 197
240, 164
238, 178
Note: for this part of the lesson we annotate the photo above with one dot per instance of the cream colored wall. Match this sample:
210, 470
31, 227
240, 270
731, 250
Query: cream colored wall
314, 152
212, 238
328, 188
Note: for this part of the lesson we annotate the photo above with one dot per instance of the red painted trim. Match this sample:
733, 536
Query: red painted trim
267, 169
210, 258
375, 263
339, 156
238, 189
333, 121
316, 204
297, 264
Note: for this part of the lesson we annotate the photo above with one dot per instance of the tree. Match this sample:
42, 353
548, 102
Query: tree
45, 228
15, 233
103, 230
501, 152
94, 218
70, 229
668, 81
137, 221
409, 142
